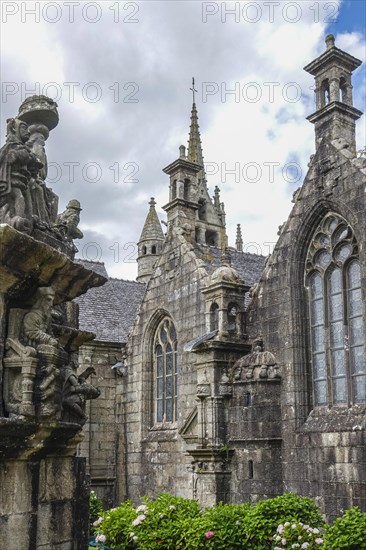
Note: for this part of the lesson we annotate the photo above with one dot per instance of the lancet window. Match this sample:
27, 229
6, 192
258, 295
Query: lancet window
166, 372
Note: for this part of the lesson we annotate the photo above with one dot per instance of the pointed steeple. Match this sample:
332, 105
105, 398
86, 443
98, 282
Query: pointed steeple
239, 239
194, 142
152, 229
150, 244
189, 199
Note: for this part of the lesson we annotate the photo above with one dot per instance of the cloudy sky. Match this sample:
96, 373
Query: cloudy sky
121, 75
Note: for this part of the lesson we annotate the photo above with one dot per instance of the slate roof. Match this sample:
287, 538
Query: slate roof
109, 310
249, 266
98, 267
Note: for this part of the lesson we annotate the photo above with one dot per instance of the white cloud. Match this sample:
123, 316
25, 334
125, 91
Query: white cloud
159, 55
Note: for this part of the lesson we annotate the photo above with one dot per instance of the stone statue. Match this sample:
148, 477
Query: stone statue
17, 166
41, 196
40, 113
26, 203
75, 392
37, 328
69, 220
37, 322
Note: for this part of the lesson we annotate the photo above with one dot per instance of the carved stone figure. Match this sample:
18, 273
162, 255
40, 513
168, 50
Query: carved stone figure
17, 165
37, 321
69, 220
51, 356
20, 366
40, 113
42, 198
75, 392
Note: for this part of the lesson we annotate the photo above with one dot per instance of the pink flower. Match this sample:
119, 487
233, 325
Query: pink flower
209, 534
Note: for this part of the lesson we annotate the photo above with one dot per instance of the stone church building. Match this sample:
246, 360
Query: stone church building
235, 377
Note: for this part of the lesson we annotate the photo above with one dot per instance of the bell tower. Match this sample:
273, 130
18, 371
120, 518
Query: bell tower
335, 116
190, 205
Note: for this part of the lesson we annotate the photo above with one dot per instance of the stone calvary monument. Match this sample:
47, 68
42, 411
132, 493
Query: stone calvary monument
44, 496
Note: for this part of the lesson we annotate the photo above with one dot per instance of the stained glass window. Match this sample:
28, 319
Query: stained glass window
333, 279
166, 372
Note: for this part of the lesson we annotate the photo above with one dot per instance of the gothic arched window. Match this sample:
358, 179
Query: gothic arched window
325, 94
343, 89
333, 279
214, 317
166, 372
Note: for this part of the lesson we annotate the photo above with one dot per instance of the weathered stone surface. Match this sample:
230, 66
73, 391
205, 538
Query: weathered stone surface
247, 424
37, 264
44, 497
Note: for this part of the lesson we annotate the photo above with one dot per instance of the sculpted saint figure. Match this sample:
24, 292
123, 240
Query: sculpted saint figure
36, 326
17, 165
37, 322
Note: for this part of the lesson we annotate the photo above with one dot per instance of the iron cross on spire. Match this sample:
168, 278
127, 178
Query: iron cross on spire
193, 89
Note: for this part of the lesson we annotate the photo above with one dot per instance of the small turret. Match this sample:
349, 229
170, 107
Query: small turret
150, 244
335, 116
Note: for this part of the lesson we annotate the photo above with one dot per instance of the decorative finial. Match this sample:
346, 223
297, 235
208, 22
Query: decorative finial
239, 239
152, 202
182, 152
330, 41
217, 197
193, 90
225, 256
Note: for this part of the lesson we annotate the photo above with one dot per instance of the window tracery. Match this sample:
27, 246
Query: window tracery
333, 279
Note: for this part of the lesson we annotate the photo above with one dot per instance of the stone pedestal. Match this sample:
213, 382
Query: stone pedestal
44, 503
44, 493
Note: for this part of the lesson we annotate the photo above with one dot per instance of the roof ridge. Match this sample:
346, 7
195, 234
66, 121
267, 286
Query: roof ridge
89, 261
250, 254
125, 280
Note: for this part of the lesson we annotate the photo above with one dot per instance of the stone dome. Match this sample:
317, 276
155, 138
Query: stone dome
225, 273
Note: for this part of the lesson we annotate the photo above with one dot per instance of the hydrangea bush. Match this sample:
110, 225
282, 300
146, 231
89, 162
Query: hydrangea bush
95, 509
298, 536
264, 518
220, 527
282, 523
347, 532
155, 524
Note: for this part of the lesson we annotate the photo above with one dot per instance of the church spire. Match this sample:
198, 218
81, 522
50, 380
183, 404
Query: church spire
194, 141
189, 201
